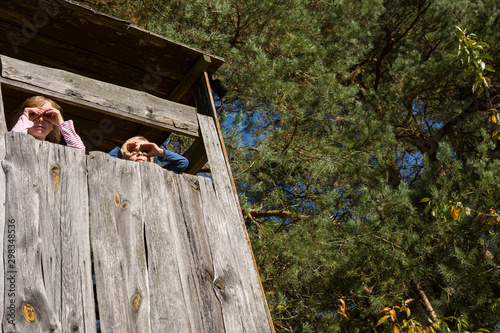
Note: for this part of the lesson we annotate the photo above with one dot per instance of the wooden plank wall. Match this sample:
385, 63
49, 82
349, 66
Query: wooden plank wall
45, 240
169, 253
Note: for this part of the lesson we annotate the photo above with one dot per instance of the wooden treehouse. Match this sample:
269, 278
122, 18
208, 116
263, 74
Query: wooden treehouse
88, 237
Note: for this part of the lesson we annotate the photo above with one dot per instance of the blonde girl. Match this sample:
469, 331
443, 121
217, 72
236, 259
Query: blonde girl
42, 118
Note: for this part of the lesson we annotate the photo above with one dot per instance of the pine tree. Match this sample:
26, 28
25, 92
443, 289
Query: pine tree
340, 117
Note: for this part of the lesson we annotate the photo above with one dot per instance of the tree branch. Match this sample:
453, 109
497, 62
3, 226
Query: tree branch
425, 300
429, 147
274, 213
393, 41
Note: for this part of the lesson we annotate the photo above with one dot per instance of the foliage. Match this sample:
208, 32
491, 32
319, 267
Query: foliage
340, 117
470, 48
391, 323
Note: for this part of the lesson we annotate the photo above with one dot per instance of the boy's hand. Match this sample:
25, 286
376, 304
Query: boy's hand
151, 149
131, 149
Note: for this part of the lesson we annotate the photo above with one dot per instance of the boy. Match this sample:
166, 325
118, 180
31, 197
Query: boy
139, 149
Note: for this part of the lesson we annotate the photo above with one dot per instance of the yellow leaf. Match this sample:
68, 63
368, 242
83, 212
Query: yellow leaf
382, 320
342, 304
455, 213
395, 329
493, 119
393, 315
280, 306
384, 309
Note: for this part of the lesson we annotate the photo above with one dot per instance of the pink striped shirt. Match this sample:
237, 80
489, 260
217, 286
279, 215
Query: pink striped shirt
67, 130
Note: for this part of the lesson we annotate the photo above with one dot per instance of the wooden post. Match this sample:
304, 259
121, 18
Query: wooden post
3, 123
228, 198
190, 78
205, 106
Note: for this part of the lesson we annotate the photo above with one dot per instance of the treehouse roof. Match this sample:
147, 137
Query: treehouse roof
63, 35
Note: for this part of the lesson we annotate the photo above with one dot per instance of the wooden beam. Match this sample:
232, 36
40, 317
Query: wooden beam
3, 123
197, 157
257, 311
194, 73
205, 106
225, 188
130, 104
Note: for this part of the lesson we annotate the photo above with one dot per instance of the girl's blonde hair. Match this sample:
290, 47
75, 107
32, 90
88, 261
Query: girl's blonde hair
36, 101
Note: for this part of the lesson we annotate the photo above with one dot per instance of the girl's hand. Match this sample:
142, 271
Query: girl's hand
32, 113
54, 116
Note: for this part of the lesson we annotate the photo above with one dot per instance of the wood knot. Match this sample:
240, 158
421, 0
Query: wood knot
29, 313
195, 185
117, 199
125, 204
75, 328
55, 174
219, 284
55, 169
136, 302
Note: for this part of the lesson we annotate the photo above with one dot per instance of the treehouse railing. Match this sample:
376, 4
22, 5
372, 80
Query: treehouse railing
168, 251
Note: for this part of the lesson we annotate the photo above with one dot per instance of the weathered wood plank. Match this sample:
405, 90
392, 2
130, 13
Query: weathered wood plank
202, 267
23, 251
117, 236
173, 301
228, 284
64, 229
47, 212
3, 232
205, 106
97, 95
190, 78
3, 123
258, 317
